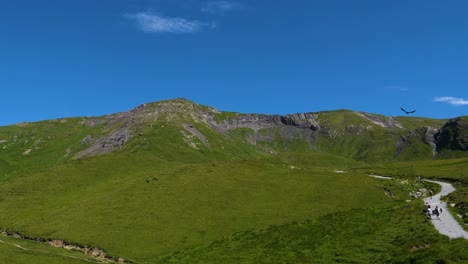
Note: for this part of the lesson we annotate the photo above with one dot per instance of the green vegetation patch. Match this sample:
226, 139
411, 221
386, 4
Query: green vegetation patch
113, 201
399, 234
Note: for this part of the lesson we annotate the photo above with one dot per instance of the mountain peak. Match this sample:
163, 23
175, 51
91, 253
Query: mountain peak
171, 106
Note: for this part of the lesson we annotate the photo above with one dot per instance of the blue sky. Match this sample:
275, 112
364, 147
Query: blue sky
67, 58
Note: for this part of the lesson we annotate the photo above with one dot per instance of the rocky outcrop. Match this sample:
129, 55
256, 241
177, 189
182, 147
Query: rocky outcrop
116, 139
108, 143
258, 121
252, 121
307, 121
416, 134
288, 127
430, 139
453, 135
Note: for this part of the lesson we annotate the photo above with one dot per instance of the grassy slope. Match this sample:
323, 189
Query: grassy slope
36, 146
417, 122
105, 201
398, 234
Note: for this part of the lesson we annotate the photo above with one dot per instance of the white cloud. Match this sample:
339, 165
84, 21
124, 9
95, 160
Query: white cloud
451, 100
160, 24
219, 7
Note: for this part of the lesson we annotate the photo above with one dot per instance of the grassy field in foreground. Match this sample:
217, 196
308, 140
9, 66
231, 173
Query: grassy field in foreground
398, 234
107, 202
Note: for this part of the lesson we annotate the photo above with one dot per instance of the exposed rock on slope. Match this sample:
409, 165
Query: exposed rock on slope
110, 142
453, 135
423, 135
390, 122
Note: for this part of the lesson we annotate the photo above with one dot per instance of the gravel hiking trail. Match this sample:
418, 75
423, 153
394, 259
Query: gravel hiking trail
446, 225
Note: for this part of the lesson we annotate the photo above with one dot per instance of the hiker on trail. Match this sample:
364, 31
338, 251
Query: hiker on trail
436, 212
429, 211
431, 193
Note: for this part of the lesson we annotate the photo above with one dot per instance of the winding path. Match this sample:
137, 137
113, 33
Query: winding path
446, 225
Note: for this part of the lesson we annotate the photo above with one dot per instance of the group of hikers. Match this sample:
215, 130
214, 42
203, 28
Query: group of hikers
437, 211
427, 210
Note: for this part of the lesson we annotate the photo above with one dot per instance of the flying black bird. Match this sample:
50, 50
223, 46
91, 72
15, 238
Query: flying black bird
407, 112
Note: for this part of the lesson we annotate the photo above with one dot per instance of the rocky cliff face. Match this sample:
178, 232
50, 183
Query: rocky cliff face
424, 135
258, 121
453, 136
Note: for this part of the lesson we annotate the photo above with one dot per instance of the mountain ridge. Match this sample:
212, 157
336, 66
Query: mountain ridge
357, 135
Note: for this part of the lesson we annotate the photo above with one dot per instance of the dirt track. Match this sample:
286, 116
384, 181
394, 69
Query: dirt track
447, 225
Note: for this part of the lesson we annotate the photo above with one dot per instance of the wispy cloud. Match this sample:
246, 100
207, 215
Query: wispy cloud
219, 7
159, 24
451, 100
396, 88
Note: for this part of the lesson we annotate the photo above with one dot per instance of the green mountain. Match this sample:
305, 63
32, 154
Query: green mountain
167, 181
185, 131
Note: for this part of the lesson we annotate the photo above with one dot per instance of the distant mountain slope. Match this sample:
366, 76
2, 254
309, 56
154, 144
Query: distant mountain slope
183, 130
